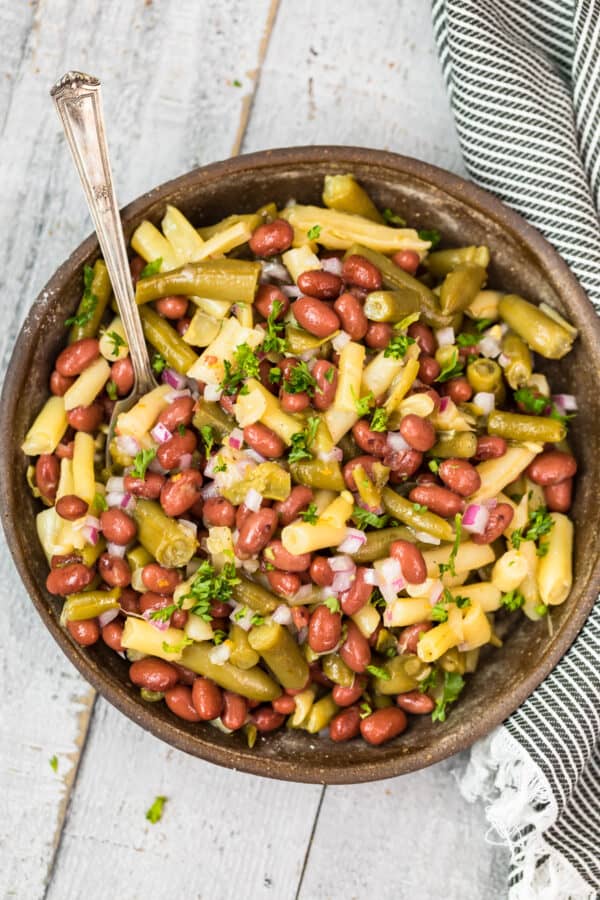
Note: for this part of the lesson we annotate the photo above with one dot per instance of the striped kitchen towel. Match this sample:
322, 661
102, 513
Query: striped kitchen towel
524, 82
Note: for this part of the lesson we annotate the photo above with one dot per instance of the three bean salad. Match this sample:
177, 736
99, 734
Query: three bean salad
349, 477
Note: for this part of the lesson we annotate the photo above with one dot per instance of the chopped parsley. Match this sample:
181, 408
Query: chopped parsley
53, 761
141, 462
541, 609
177, 648
482, 324
539, 524
302, 441
159, 363
392, 218
398, 346
221, 465
314, 233
332, 604
453, 685
363, 404
450, 565
434, 466
236, 82
418, 507
99, 502
376, 672
533, 403
429, 681
218, 637
245, 365
89, 301
181, 429
430, 234
330, 374
111, 390
310, 514
164, 613
451, 368
206, 433
209, 585
365, 709
467, 340
257, 620
379, 420
439, 613
512, 600
273, 342
462, 602
365, 518
299, 380
154, 814
275, 375
116, 340
152, 268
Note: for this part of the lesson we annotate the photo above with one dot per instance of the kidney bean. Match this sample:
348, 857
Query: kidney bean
345, 725
71, 507
409, 637
383, 725
352, 316
460, 476
284, 583
226, 403
372, 442
148, 487
58, 560
108, 406
181, 492
121, 372
424, 337
264, 370
355, 650
438, 499
321, 572
458, 389
129, 601
402, 463
284, 704
85, 418
320, 284
500, 518
179, 618
272, 238
117, 526
77, 356
150, 601
411, 561
112, 634
417, 432
171, 307
266, 296
85, 631
300, 618
378, 335
256, 532
429, 369
408, 260
218, 511
558, 496
264, 441
358, 595
552, 467
293, 403
359, 271
300, 498
160, 579
326, 388
490, 446
266, 719
415, 702
179, 701
235, 710
136, 267
69, 579
180, 412
318, 676
426, 478
182, 325
241, 514
169, 454
114, 570
276, 554
153, 674
60, 384
367, 462
207, 698
315, 316
47, 474
219, 609
346, 696
65, 451
324, 630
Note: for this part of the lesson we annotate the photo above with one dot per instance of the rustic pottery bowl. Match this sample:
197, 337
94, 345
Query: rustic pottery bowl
522, 262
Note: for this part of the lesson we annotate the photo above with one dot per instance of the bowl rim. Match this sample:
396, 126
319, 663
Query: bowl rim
557, 272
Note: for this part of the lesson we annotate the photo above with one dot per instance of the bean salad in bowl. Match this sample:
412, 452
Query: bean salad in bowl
350, 473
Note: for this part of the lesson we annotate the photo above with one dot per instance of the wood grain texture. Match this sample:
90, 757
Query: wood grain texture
330, 73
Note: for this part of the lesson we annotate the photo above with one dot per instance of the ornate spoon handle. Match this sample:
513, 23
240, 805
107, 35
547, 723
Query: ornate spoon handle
77, 98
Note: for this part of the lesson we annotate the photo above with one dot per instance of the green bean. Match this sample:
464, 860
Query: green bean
242, 655
382, 701
320, 715
151, 696
403, 671
318, 474
516, 427
348, 446
336, 670
461, 286
441, 262
385, 641
251, 683
342, 192
391, 306
540, 332
211, 414
268, 478
91, 552
519, 368
258, 598
137, 558
405, 511
164, 338
378, 543
453, 661
267, 212
300, 341
101, 290
252, 220
484, 375
89, 604
219, 279
170, 543
281, 653
462, 444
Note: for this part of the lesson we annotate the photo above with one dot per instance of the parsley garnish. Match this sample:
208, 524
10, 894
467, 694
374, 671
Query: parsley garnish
462, 602
451, 368
177, 648
330, 375
313, 233
397, 347
467, 340
392, 218
512, 600
99, 502
418, 507
310, 514
302, 440
152, 268
364, 518
165, 612
275, 375
181, 430
206, 433
111, 390
89, 301
365, 709
541, 609
439, 613
540, 523
218, 637
209, 585
155, 812
376, 672
221, 465
299, 380
141, 462
117, 341
429, 681
54, 763
533, 403
257, 620
430, 234
482, 324
273, 343
453, 685
245, 365
379, 420
332, 604
434, 466
363, 404
236, 82
158, 363
450, 565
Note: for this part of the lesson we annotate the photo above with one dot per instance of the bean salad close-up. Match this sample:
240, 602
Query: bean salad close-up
349, 485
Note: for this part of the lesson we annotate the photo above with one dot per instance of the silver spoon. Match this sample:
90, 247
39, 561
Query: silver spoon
78, 102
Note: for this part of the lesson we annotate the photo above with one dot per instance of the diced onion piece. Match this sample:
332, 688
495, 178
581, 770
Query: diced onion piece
341, 564
253, 500
127, 444
106, 617
160, 433
425, 538
490, 347
236, 439
332, 264
475, 518
210, 490
342, 581
282, 615
116, 550
185, 461
177, 395
396, 442
90, 534
337, 455
273, 269
565, 402
486, 401
370, 577
115, 483
291, 290
340, 341
444, 403
220, 654
243, 620
256, 457
353, 541
114, 498
302, 594
212, 392
445, 336
173, 379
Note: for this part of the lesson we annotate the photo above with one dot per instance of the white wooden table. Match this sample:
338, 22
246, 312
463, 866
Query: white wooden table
310, 72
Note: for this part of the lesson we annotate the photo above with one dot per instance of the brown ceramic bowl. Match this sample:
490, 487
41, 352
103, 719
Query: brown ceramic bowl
522, 262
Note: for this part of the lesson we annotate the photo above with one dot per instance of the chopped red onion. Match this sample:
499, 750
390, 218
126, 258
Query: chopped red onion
173, 379
302, 635
444, 403
127, 444
212, 392
353, 541
340, 341
210, 490
115, 483
489, 347
253, 500
114, 498
437, 589
303, 593
426, 538
492, 503
565, 402
445, 336
116, 550
336, 454
160, 626
333, 265
503, 360
155, 466
126, 502
309, 355
486, 401
160, 433
185, 461
273, 269
172, 396
90, 534
220, 654
396, 442
370, 577
282, 615
341, 564
342, 581
291, 290
254, 456
236, 439
106, 617
475, 518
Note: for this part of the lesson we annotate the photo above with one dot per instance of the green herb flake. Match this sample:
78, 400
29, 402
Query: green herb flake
365, 518
257, 620
439, 613
273, 342
164, 613
152, 268
206, 433
430, 234
540, 523
221, 465
245, 365
236, 82
117, 342
218, 637
418, 507
299, 380
209, 585
365, 709
53, 762
376, 672
451, 368
462, 602
177, 648
332, 604
392, 218
99, 502
154, 814
181, 430
541, 609
482, 324
330, 374
89, 301
430, 681
141, 462
159, 363
379, 419
363, 404
453, 685
310, 514
450, 566
513, 600
467, 340
533, 403
275, 375
398, 346
434, 466
314, 233
302, 440
111, 390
